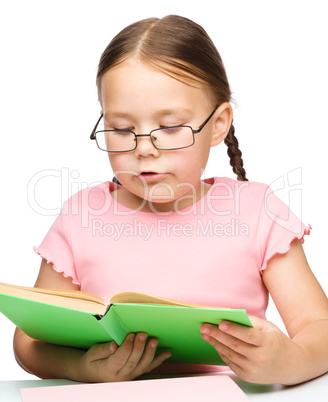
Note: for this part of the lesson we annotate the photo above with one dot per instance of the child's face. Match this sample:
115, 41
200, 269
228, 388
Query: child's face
135, 96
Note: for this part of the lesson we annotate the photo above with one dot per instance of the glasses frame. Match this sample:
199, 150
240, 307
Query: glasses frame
136, 136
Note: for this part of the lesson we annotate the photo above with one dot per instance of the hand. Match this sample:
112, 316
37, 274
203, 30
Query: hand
262, 354
109, 362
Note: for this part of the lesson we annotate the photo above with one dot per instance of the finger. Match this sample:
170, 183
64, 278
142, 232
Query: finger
102, 351
236, 353
226, 344
149, 361
135, 355
236, 368
263, 325
123, 352
237, 356
249, 335
158, 360
252, 336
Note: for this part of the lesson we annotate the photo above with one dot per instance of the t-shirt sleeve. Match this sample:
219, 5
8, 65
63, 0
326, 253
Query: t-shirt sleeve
278, 227
56, 247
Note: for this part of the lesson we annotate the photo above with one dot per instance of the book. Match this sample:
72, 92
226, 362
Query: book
189, 389
79, 319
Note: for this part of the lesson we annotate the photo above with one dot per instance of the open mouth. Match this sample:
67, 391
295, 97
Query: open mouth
151, 176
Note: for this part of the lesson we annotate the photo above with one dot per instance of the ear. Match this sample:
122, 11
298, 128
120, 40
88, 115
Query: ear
222, 119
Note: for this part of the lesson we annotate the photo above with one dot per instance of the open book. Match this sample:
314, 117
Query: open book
80, 319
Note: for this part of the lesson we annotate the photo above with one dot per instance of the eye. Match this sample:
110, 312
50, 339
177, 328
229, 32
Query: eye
119, 131
123, 129
117, 125
172, 130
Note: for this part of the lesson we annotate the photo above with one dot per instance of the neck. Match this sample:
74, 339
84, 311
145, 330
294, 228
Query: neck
183, 202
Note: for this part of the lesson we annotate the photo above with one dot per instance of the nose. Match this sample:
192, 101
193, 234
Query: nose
145, 147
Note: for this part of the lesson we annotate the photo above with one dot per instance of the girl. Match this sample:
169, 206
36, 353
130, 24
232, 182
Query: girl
160, 229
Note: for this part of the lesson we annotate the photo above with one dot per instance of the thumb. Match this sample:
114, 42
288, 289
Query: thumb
261, 324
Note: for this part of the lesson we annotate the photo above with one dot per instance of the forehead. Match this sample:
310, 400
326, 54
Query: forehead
135, 83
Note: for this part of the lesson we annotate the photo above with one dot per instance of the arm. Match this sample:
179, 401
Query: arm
103, 362
263, 354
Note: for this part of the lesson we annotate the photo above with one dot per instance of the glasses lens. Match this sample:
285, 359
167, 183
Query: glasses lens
115, 140
173, 137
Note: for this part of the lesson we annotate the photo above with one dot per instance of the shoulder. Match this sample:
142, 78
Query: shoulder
245, 189
94, 197
234, 197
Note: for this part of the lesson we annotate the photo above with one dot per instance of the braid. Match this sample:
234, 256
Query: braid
235, 155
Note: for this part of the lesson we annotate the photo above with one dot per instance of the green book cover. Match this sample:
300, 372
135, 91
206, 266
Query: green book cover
175, 327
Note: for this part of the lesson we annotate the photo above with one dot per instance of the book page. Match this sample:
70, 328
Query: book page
142, 298
65, 298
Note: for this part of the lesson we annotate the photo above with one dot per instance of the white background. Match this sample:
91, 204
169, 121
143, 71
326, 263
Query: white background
275, 53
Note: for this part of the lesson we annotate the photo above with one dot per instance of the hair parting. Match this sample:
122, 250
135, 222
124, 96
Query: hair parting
182, 49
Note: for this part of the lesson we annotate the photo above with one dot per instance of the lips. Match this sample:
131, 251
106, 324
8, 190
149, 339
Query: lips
151, 176
147, 172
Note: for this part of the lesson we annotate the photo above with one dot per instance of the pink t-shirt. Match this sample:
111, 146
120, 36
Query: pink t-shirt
212, 253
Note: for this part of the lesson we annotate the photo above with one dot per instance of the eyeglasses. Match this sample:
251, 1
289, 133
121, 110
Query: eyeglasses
164, 138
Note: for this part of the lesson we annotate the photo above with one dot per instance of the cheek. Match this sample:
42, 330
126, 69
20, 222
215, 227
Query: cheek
190, 163
202, 149
119, 162
197, 155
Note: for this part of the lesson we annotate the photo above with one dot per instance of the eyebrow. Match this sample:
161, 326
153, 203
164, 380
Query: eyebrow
160, 113
178, 110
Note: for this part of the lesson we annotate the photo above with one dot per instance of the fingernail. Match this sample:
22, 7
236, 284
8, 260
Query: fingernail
205, 330
153, 345
112, 347
142, 337
205, 337
223, 326
131, 337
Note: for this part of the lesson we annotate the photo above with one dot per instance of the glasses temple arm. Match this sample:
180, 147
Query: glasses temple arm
205, 122
92, 136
